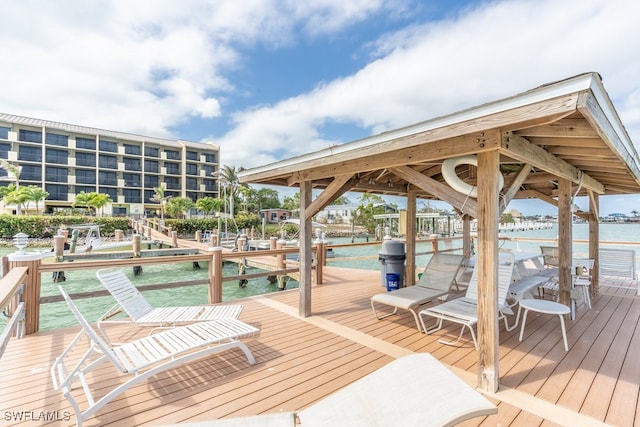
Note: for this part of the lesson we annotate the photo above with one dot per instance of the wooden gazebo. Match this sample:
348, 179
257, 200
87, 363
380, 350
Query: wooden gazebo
554, 142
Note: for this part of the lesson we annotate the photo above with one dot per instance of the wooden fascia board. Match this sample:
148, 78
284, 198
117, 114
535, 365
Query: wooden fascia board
519, 148
369, 159
340, 185
590, 108
443, 192
513, 189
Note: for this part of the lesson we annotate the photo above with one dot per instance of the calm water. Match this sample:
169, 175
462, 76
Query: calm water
58, 315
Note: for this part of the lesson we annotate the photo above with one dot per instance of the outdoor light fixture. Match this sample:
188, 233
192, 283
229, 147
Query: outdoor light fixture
20, 241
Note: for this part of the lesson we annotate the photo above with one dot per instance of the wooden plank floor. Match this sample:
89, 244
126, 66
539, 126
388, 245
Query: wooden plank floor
299, 361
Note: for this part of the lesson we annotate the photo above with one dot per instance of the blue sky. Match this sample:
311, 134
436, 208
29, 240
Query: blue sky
272, 79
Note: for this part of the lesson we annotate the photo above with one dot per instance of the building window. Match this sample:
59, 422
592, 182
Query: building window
131, 164
151, 166
109, 146
131, 179
133, 150
112, 192
31, 173
56, 156
131, 195
172, 154
107, 178
151, 181
192, 155
87, 189
210, 185
151, 152
55, 174
148, 195
85, 176
4, 132
119, 211
57, 191
172, 168
85, 143
30, 136
172, 183
4, 150
192, 195
107, 162
192, 169
55, 139
192, 184
85, 159
210, 158
30, 154
208, 170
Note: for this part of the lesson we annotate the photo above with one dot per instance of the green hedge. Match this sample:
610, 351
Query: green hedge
47, 226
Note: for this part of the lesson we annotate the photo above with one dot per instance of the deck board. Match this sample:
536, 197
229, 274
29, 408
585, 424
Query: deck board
300, 361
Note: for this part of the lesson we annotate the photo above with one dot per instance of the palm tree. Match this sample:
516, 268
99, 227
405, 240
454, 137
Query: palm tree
35, 194
13, 172
159, 197
228, 176
209, 204
178, 206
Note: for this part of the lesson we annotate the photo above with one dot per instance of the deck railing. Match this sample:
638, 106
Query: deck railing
12, 304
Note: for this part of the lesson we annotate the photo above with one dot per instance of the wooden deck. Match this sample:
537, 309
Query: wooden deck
299, 361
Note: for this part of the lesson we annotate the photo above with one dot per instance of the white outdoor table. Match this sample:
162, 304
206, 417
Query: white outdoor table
545, 307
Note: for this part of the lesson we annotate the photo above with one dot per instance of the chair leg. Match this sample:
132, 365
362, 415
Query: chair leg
564, 333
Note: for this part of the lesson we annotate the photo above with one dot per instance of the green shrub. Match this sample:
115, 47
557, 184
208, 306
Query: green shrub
38, 227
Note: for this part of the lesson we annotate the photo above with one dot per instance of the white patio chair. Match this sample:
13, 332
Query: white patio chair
139, 359
464, 310
142, 313
412, 391
436, 282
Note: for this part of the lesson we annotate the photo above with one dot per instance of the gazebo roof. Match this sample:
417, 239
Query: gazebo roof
567, 129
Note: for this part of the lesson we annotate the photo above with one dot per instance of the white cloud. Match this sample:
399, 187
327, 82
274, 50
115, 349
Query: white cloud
493, 51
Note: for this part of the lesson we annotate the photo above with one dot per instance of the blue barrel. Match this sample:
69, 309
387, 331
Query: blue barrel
393, 281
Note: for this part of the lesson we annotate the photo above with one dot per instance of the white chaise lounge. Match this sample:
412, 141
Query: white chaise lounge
142, 313
412, 391
464, 311
438, 277
139, 359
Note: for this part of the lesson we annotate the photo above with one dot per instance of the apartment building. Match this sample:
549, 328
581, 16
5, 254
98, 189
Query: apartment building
65, 159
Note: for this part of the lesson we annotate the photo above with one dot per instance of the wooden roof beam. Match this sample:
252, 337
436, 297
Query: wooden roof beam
521, 149
513, 189
340, 185
443, 192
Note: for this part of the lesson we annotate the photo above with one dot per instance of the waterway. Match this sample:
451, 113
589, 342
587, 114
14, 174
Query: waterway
55, 315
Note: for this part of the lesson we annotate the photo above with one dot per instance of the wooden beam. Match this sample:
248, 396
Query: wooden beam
513, 189
533, 194
441, 191
340, 185
487, 265
521, 149
410, 238
306, 234
377, 157
594, 242
565, 240
564, 128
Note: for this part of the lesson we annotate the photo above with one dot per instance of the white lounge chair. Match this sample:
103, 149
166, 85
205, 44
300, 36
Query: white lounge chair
464, 310
437, 279
142, 313
412, 391
140, 359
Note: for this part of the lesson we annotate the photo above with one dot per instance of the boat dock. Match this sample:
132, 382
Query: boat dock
302, 360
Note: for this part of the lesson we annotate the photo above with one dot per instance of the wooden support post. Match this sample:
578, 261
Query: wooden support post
273, 241
198, 236
148, 230
281, 264
58, 252
434, 243
215, 275
487, 265
214, 239
594, 242
467, 242
118, 235
565, 242
174, 239
32, 286
306, 233
136, 243
410, 271
242, 247
321, 260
